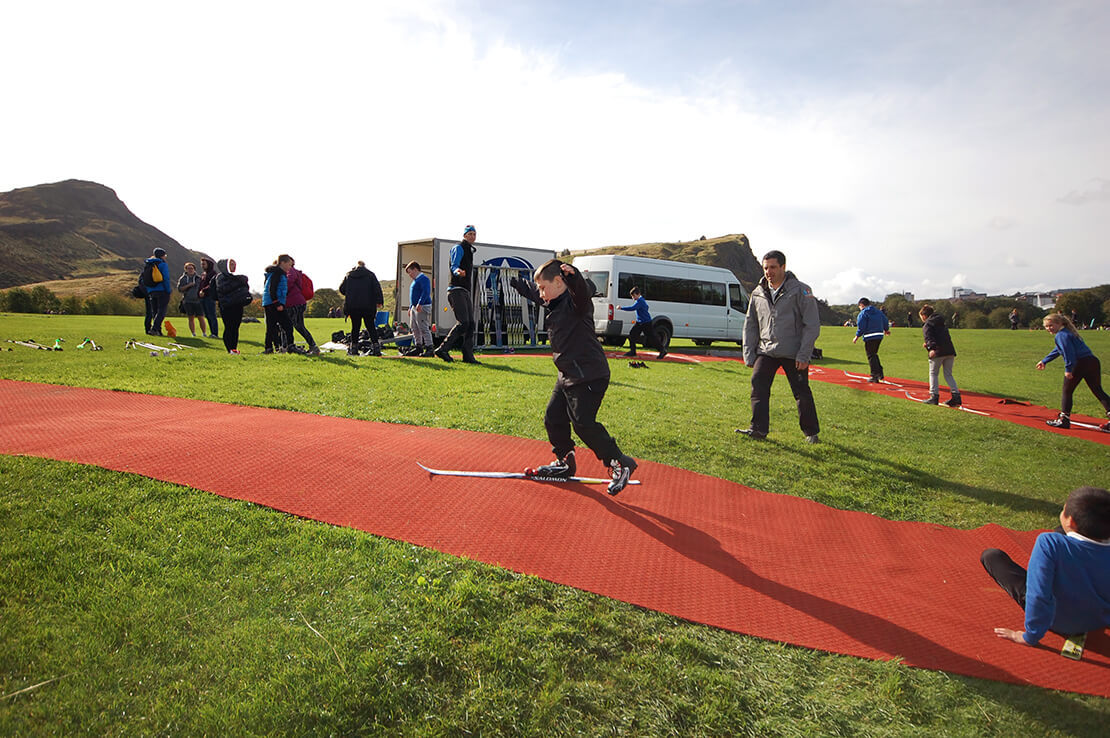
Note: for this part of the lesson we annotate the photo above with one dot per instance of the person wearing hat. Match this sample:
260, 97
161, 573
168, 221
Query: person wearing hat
158, 293
460, 298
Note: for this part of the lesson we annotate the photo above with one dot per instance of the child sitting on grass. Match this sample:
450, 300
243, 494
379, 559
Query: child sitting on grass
583, 373
1067, 587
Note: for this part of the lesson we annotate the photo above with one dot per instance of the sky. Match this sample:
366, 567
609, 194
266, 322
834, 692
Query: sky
882, 145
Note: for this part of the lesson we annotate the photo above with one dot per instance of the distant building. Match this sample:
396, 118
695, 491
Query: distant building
963, 293
908, 296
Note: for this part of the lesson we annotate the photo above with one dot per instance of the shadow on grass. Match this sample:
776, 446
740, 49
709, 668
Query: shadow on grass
918, 478
864, 627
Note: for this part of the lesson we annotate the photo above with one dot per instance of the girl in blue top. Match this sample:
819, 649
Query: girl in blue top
1079, 365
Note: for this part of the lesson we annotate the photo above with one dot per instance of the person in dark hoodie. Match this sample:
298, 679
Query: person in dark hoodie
207, 292
363, 298
942, 354
460, 296
279, 329
583, 373
233, 293
871, 325
158, 294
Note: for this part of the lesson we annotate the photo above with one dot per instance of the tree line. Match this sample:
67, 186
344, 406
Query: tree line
1092, 304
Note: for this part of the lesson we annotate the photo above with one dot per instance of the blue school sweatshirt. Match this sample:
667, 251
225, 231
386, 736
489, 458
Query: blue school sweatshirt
1071, 347
1067, 587
641, 308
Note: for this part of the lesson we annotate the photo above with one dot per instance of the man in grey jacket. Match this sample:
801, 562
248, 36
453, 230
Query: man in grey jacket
781, 329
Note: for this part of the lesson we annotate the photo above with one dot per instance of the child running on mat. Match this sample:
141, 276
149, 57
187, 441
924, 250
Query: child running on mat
1080, 364
1067, 587
583, 373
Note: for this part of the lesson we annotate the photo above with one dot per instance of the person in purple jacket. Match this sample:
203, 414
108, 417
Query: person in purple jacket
1067, 587
296, 304
1080, 364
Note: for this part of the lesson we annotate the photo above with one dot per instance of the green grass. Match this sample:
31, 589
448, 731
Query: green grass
164, 610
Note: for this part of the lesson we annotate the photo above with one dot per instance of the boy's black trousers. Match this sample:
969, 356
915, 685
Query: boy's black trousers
576, 405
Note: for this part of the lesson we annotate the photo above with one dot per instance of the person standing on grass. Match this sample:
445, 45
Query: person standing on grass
642, 326
158, 292
781, 329
1080, 365
279, 329
460, 298
420, 310
583, 373
1067, 586
363, 299
942, 355
871, 326
1014, 319
188, 285
233, 293
207, 292
296, 302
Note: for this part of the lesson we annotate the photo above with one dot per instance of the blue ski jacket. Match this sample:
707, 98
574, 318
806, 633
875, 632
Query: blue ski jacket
1071, 347
871, 323
641, 308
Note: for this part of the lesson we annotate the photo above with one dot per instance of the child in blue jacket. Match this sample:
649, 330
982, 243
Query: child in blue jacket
1080, 364
1067, 587
642, 326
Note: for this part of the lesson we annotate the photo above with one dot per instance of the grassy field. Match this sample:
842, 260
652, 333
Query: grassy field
158, 609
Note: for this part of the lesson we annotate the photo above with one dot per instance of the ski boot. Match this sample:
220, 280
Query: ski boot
1063, 422
955, 400
563, 468
933, 400
620, 471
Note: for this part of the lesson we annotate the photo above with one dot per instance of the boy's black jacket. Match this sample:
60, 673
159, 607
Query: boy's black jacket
570, 329
937, 337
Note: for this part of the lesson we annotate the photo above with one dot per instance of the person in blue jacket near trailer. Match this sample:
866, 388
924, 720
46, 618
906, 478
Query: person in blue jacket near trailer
642, 326
871, 325
1080, 364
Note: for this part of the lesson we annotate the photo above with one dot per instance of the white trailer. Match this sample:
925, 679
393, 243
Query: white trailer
504, 317
703, 303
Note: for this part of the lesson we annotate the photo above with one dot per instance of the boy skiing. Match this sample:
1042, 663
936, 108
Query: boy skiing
583, 373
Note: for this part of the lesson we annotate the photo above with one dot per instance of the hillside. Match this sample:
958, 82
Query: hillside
75, 230
733, 252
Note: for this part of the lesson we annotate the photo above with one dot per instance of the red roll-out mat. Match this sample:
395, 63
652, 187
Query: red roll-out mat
699, 548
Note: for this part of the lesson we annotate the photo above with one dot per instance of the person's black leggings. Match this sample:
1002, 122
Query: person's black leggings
233, 318
296, 317
357, 320
279, 331
1089, 370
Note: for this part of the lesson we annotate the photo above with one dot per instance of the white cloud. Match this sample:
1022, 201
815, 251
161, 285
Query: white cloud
1096, 190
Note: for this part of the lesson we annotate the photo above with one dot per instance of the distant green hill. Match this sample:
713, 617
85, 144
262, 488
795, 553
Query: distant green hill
733, 252
76, 230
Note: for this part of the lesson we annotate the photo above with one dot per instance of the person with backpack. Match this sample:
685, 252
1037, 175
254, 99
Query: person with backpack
233, 293
207, 292
156, 280
296, 302
363, 298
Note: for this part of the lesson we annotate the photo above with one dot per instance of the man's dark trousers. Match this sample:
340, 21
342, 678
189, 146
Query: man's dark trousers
871, 346
763, 374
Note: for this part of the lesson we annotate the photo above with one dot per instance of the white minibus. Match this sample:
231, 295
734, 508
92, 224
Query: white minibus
703, 303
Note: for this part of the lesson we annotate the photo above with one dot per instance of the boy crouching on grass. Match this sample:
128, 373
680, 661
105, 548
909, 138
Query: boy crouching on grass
1067, 587
583, 373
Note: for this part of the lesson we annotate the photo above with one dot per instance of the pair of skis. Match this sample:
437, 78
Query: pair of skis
29, 343
526, 474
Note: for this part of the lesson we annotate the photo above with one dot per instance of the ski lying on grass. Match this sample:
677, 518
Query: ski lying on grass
30, 343
517, 475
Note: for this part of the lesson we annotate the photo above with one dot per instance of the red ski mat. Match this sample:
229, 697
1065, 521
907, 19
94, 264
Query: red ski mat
696, 547
976, 403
